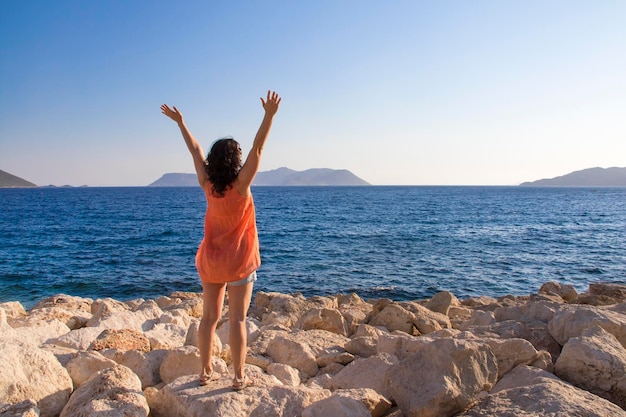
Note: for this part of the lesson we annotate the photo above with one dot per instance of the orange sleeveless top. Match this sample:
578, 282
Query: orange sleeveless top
230, 248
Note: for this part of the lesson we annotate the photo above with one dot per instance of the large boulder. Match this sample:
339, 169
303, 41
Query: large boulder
13, 310
442, 302
79, 339
277, 308
343, 402
364, 340
122, 339
112, 314
596, 362
112, 392
67, 302
511, 353
146, 365
540, 310
85, 364
354, 310
27, 372
529, 392
329, 319
185, 398
292, 351
566, 292
602, 294
186, 361
223, 332
37, 333
394, 317
572, 322
365, 373
166, 336
442, 378
284, 373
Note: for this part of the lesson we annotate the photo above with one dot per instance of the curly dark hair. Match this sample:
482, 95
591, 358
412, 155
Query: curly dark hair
223, 164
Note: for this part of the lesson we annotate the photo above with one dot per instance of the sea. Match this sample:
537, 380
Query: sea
396, 242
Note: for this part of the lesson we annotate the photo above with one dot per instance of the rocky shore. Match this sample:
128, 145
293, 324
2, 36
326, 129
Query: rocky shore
554, 353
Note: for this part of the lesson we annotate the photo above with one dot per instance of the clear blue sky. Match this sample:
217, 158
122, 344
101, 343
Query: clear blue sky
398, 92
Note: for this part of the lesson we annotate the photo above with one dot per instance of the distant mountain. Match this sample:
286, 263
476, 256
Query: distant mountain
11, 181
176, 180
315, 176
591, 177
280, 176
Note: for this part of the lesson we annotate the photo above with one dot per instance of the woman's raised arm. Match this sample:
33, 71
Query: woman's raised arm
192, 144
253, 161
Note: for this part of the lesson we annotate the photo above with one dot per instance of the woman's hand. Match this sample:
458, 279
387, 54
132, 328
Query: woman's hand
175, 115
271, 104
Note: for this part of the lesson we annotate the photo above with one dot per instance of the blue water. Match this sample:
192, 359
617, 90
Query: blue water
395, 242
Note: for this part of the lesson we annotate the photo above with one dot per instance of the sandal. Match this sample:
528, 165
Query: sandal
205, 377
241, 383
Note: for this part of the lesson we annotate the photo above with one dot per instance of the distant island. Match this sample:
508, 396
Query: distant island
276, 177
11, 181
591, 177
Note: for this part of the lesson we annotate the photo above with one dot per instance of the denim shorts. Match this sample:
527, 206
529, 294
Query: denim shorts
243, 281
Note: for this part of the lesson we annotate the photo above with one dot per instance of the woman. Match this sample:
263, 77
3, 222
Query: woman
228, 256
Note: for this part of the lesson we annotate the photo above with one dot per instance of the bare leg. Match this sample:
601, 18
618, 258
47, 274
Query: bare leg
239, 298
213, 300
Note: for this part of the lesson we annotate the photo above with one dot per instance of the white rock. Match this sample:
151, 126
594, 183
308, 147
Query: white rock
364, 340
177, 317
13, 309
572, 322
111, 314
146, 365
479, 318
85, 364
79, 339
394, 317
113, 391
365, 373
63, 354
400, 345
66, 302
293, 352
277, 308
164, 302
166, 336
376, 404
328, 319
336, 405
596, 362
354, 310
442, 378
339, 356
284, 373
42, 332
27, 372
252, 329
442, 301
4, 325
566, 292
426, 320
543, 311
186, 361
531, 392
105, 308
192, 333
184, 397
511, 353
74, 319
